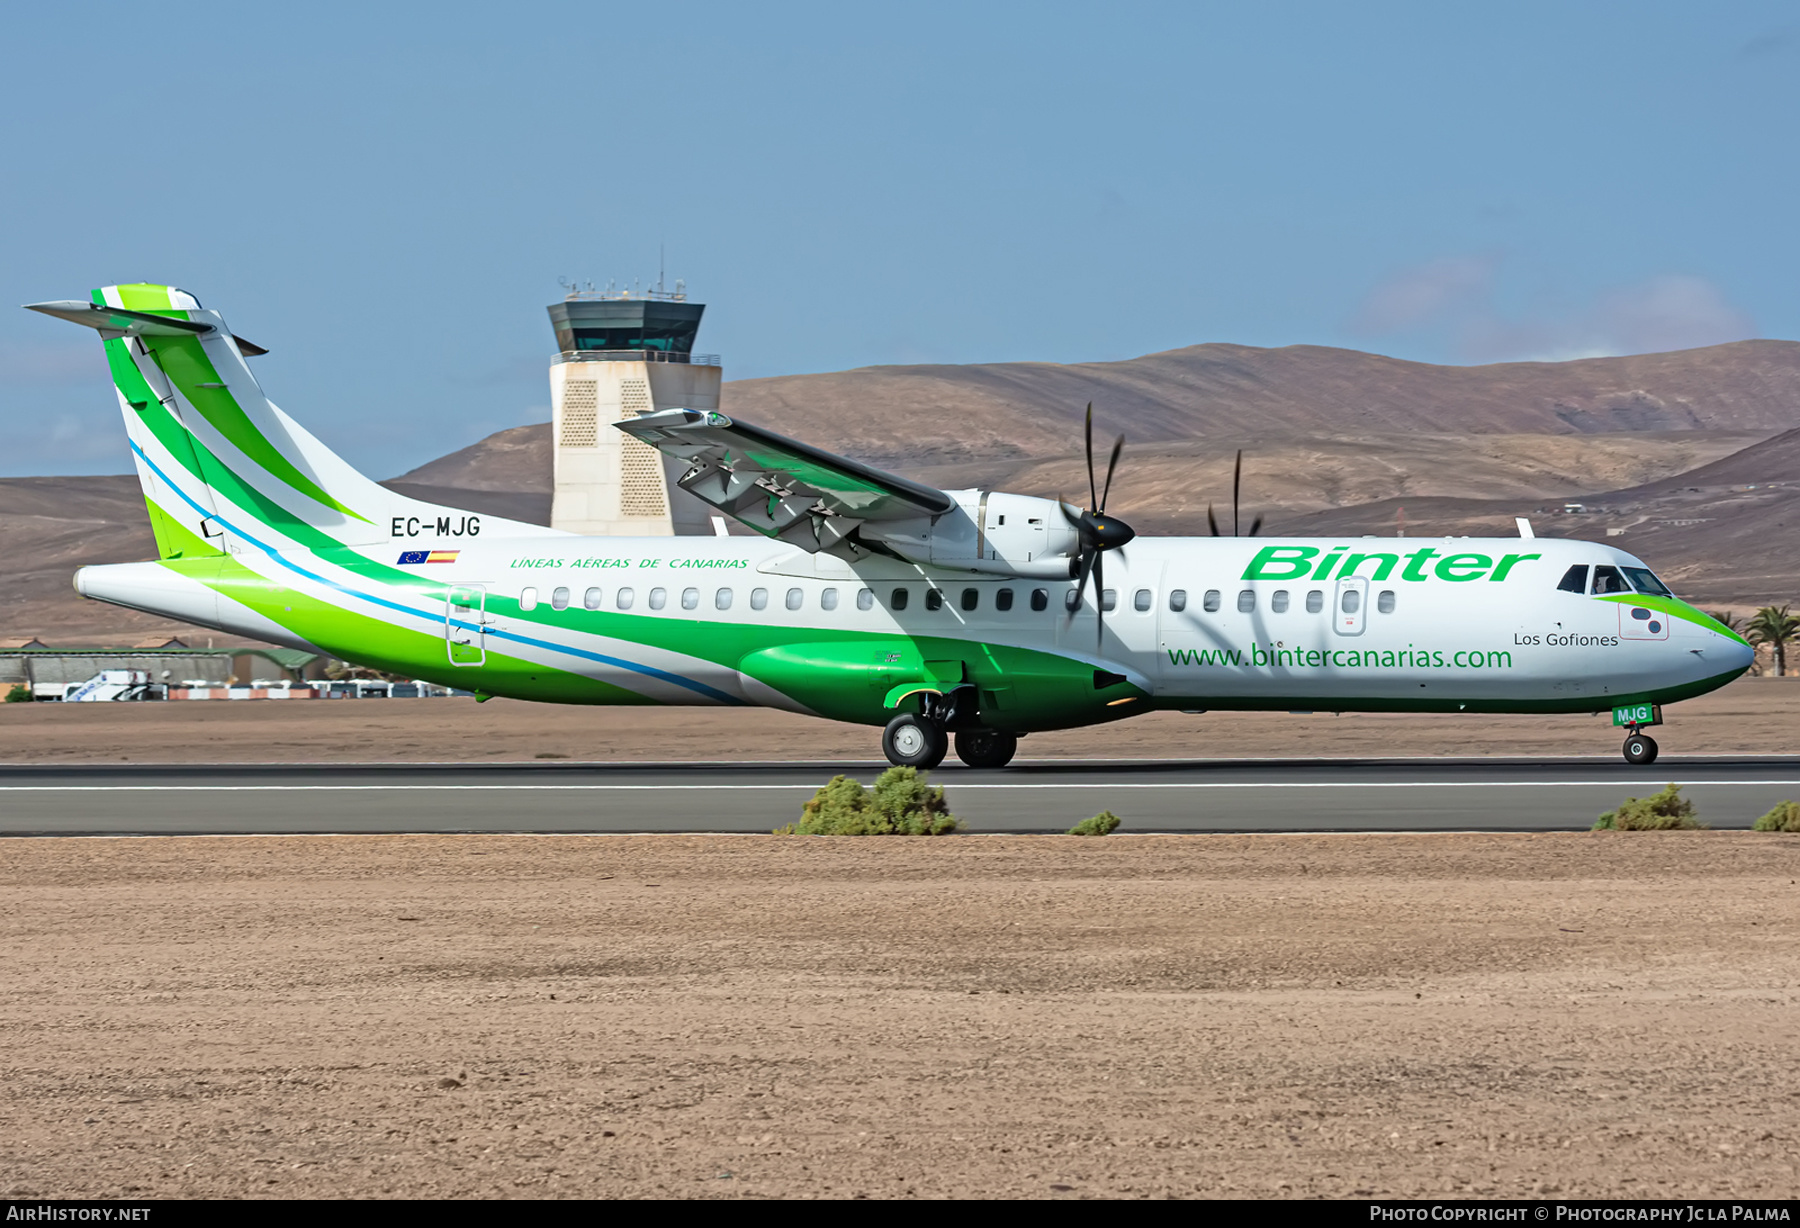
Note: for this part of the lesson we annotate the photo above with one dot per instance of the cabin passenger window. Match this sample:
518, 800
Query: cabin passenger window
559, 598
828, 599
1040, 600
1109, 600
528, 599
759, 598
899, 599
865, 598
624, 598
1178, 599
795, 598
934, 598
1608, 580
1350, 602
1140, 601
1211, 602
1072, 600
1003, 600
722, 599
690, 598
659, 597
1278, 601
1247, 601
971, 598
1315, 601
1644, 582
591, 599
1574, 580
1385, 602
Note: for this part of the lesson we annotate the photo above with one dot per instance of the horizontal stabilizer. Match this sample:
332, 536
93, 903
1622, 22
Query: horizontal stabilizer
123, 323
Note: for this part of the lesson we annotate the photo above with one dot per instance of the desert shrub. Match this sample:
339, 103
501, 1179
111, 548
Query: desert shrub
1665, 811
1785, 817
1099, 825
900, 804
19, 695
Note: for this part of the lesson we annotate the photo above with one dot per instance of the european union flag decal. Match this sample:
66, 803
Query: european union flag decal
413, 556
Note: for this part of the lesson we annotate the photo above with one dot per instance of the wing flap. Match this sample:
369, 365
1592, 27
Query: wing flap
778, 486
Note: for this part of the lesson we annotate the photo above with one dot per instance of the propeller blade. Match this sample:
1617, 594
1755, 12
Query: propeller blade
1073, 518
1211, 522
1237, 478
1099, 601
1256, 526
1106, 490
1093, 497
1088, 558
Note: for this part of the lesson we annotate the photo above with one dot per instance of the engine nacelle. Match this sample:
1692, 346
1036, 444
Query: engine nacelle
989, 531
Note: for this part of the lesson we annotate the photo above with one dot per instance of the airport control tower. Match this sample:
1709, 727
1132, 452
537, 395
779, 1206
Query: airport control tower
623, 354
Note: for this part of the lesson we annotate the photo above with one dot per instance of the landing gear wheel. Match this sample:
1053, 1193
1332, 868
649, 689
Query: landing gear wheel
1640, 749
986, 748
911, 740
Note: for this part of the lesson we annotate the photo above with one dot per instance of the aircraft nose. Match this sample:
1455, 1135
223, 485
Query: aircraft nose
1739, 653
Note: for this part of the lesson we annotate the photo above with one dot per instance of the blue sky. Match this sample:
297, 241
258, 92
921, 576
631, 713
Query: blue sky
386, 195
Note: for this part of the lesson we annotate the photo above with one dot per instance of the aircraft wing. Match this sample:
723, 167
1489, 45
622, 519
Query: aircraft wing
779, 486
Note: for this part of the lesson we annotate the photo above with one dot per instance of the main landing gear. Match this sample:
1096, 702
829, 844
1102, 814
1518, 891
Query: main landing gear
1640, 748
913, 740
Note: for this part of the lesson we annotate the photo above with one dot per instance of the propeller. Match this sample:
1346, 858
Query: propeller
1095, 531
1237, 481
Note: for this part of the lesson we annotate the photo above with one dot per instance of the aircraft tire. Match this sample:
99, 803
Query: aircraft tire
1640, 749
911, 740
986, 748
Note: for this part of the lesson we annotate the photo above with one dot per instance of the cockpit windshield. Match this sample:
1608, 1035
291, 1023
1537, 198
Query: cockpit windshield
1608, 580
1644, 582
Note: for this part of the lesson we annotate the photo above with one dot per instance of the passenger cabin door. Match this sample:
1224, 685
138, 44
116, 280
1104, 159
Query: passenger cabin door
466, 624
1352, 606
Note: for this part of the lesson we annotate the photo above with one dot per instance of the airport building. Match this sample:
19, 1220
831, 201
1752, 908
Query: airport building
623, 354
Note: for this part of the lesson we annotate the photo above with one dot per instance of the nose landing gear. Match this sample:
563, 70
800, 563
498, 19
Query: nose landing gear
1640, 748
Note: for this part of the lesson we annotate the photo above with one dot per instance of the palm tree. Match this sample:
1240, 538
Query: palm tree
1774, 627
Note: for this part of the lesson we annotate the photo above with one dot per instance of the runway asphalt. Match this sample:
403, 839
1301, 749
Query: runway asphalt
1150, 796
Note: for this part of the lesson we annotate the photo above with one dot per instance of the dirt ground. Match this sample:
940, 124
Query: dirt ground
1750, 716
1567, 1015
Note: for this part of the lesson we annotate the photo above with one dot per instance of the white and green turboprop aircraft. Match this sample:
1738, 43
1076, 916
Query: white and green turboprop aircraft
863, 597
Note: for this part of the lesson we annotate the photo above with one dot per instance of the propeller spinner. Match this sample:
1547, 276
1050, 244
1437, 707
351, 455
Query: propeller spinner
1095, 531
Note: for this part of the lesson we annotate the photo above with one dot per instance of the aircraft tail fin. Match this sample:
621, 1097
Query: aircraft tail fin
217, 458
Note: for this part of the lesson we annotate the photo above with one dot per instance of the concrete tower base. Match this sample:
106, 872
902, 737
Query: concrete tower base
608, 483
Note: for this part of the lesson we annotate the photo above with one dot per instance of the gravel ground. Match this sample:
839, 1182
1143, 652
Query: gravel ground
1750, 716
1393, 1015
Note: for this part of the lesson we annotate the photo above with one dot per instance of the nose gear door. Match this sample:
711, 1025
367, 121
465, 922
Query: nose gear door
466, 624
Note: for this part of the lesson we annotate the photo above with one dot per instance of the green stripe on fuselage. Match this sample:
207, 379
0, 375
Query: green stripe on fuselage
1674, 608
